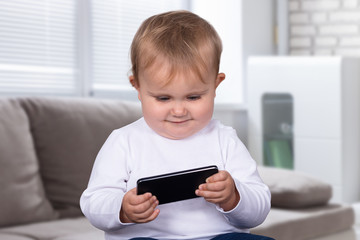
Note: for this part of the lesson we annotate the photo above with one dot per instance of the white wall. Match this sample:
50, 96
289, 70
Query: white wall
245, 29
226, 18
234, 117
258, 30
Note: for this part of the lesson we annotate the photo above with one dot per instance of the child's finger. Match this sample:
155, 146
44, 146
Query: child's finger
149, 218
220, 176
138, 199
145, 206
215, 187
209, 196
154, 215
144, 212
146, 209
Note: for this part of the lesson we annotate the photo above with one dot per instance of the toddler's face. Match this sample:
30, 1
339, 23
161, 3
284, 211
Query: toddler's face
179, 108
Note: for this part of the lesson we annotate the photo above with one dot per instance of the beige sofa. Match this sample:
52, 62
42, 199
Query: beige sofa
47, 148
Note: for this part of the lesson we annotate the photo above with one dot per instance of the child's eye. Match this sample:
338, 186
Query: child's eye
162, 98
193, 97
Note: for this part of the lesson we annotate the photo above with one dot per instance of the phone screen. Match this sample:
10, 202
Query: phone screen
175, 186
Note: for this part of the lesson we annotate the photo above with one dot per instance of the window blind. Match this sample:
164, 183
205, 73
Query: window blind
71, 47
114, 23
38, 47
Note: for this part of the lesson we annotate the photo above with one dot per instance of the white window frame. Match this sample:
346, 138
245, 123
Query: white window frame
83, 60
231, 20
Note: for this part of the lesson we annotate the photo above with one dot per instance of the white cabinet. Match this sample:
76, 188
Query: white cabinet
323, 131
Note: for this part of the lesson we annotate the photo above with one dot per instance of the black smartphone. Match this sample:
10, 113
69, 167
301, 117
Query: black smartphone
176, 186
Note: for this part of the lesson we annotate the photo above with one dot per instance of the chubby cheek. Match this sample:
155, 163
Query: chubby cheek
204, 116
152, 111
203, 111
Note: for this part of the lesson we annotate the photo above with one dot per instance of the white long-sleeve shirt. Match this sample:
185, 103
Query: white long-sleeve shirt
136, 151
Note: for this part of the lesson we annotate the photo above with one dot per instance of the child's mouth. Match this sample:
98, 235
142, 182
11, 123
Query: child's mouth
180, 122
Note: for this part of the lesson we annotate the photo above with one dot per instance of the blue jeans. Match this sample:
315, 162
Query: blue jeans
227, 236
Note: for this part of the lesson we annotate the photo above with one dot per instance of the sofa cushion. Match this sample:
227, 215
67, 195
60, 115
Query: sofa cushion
68, 134
93, 235
22, 194
13, 237
291, 189
55, 229
308, 223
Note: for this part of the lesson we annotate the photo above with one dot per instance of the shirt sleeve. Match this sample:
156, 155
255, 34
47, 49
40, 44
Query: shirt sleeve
101, 201
255, 197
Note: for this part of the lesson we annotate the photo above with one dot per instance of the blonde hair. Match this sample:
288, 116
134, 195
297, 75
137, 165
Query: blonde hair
186, 40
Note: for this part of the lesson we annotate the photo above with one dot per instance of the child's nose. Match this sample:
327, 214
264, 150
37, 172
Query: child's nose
179, 109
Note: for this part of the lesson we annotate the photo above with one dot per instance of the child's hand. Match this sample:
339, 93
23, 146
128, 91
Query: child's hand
138, 208
220, 189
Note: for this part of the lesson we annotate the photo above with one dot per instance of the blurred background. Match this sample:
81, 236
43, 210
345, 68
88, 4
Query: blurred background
80, 48
292, 93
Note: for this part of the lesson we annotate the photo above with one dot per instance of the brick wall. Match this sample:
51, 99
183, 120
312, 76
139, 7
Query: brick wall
324, 27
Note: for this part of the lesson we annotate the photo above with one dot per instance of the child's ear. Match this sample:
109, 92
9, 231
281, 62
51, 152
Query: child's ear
133, 82
220, 77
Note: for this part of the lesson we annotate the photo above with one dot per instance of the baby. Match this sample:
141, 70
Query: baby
175, 70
